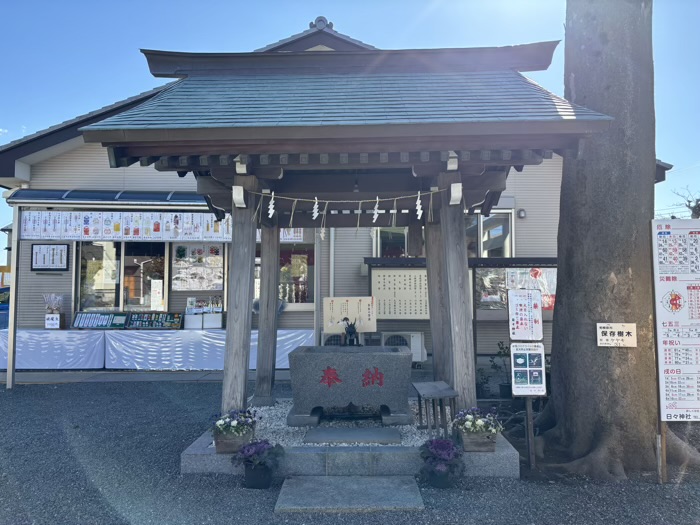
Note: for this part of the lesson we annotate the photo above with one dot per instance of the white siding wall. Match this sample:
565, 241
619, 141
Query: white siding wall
87, 167
536, 190
30, 306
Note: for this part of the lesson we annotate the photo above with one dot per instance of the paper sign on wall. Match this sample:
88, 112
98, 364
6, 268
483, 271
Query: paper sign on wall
358, 310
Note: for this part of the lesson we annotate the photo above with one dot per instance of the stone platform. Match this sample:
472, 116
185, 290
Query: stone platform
365, 460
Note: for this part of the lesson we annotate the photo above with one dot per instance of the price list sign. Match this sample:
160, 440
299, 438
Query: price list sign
525, 315
401, 293
676, 254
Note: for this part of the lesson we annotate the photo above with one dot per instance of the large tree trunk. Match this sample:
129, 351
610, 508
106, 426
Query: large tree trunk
604, 399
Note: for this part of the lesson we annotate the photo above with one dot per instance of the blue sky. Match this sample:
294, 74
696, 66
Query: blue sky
63, 59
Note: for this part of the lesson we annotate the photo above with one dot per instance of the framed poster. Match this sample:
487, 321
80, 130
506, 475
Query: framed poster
527, 366
50, 257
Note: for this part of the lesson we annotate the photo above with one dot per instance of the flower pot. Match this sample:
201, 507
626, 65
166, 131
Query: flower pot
440, 481
477, 441
230, 443
259, 477
505, 390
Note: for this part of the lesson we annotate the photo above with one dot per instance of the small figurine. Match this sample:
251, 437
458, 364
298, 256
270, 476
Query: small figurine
352, 338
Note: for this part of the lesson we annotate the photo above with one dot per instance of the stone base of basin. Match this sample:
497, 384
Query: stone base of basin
329, 377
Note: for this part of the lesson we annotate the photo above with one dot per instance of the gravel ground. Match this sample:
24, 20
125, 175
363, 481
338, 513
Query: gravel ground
108, 453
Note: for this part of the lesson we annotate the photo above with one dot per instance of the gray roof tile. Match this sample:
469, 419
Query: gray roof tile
239, 101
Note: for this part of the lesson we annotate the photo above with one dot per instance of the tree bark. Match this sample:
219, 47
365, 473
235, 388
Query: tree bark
604, 399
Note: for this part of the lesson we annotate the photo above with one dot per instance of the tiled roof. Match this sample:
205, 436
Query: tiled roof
240, 101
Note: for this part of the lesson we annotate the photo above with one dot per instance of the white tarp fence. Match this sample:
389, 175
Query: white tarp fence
137, 350
60, 349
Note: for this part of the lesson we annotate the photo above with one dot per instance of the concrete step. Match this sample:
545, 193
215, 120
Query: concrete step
378, 435
349, 494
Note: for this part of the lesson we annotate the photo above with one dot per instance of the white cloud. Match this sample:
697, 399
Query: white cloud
3, 132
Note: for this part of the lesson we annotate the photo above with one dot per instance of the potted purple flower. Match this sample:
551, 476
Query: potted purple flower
259, 458
442, 462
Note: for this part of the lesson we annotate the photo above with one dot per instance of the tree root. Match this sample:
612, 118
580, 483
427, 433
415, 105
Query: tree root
600, 463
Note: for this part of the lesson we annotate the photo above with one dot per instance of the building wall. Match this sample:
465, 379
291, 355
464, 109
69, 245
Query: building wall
32, 285
87, 167
536, 190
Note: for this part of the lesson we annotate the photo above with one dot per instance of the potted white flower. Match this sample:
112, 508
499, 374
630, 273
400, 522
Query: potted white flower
233, 430
476, 430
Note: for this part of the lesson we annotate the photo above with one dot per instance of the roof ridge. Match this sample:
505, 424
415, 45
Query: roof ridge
320, 24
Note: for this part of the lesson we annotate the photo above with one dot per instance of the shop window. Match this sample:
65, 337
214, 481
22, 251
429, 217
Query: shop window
198, 267
122, 276
144, 273
486, 237
496, 238
99, 275
392, 242
297, 268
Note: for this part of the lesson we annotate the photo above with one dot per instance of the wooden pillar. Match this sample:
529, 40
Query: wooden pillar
437, 299
14, 289
454, 237
240, 305
267, 320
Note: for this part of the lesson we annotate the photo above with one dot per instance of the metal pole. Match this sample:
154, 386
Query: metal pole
530, 434
12, 320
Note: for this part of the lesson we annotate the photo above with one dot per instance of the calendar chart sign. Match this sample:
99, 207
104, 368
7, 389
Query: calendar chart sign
676, 254
358, 310
401, 293
525, 315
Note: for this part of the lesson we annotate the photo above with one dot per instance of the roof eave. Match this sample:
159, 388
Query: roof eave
526, 57
368, 131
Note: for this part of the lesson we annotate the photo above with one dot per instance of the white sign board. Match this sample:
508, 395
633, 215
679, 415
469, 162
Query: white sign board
617, 334
525, 315
401, 293
527, 368
358, 310
52, 321
676, 254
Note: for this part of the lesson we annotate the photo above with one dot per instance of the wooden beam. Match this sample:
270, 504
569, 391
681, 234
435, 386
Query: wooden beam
267, 320
240, 300
458, 296
119, 159
437, 301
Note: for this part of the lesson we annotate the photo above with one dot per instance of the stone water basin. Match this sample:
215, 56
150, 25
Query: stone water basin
325, 377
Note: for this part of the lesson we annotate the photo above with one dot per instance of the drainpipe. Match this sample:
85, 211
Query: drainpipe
331, 257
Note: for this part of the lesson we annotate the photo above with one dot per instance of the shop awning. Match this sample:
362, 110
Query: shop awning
110, 197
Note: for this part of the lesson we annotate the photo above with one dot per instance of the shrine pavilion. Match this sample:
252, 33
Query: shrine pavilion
318, 132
